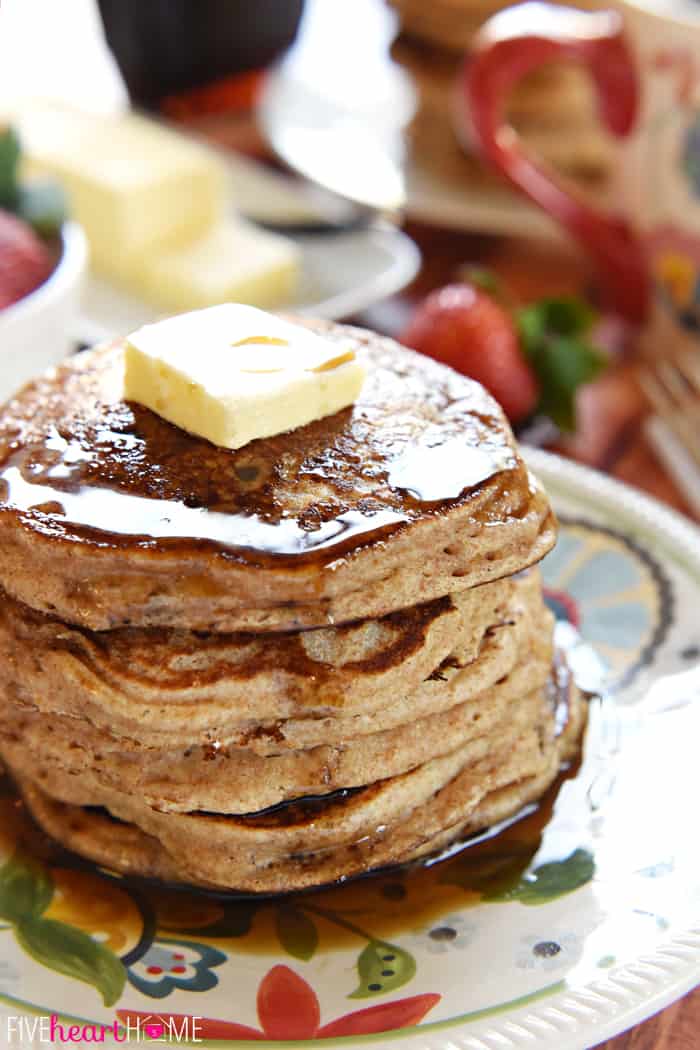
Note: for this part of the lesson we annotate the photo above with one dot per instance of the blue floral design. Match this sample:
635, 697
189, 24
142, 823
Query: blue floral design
170, 964
612, 591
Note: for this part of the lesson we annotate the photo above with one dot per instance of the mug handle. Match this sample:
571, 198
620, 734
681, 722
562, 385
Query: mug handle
511, 44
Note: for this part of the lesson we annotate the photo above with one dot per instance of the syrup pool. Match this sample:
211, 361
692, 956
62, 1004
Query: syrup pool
501, 863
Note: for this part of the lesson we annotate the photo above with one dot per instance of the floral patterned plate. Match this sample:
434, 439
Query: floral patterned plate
574, 922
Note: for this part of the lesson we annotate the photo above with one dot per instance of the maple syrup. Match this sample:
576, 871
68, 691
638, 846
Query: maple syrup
78, 461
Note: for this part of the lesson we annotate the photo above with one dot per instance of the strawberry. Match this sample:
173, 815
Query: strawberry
25, 262
464, 327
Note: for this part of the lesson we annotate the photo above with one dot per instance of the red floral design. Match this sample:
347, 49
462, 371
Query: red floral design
564, 602
288, 1008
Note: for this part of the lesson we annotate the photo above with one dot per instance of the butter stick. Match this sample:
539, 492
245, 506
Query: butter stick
134, 185
234, 262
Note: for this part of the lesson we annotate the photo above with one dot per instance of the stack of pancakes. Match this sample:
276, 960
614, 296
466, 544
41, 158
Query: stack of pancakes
553, 109
285, 665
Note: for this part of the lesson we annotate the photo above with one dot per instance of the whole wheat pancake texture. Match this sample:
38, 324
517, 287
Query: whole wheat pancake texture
110, 516
162, 689
392, 821
272, 668
454, 706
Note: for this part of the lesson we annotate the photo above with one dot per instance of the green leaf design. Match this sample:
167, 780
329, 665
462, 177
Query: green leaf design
554, 334
69, 951
26, 889
296, 932
549, 881
382, 967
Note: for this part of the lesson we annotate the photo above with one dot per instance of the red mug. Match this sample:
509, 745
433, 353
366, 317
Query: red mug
644, 67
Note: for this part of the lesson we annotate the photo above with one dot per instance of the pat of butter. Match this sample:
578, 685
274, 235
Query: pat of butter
235, 263
134, 185
233, 373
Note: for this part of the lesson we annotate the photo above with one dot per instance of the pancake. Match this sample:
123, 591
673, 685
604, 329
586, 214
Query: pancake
552, 110
110, 516
170, 689
393, 821
123, 847
238, 781
47, 710
451, 24
275, 667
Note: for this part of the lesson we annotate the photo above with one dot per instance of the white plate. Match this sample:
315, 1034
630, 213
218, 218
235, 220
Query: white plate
589, 931
475, 204
342, 274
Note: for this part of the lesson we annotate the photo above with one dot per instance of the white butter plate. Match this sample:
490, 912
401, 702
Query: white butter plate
558, 933
342, 274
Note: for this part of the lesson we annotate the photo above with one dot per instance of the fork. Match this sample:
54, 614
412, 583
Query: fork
673, 388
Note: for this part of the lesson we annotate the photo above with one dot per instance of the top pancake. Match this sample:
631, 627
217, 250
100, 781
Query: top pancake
111, 516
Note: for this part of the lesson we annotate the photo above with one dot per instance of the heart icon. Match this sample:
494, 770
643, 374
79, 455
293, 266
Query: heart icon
154, 1030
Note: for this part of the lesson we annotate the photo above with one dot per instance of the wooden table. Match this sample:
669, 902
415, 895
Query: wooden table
610, 437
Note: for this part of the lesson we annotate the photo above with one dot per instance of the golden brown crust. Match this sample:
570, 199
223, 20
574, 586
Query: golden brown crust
393, 822
171, 689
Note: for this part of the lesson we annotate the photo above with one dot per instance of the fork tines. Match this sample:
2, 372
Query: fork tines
673, 387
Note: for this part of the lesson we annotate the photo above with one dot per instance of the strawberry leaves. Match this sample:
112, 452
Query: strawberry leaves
555, 335
39, 203
532, 358
42, 204
9, 162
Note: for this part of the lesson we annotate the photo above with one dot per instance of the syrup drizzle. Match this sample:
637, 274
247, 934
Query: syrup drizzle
77, 461
128, 515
